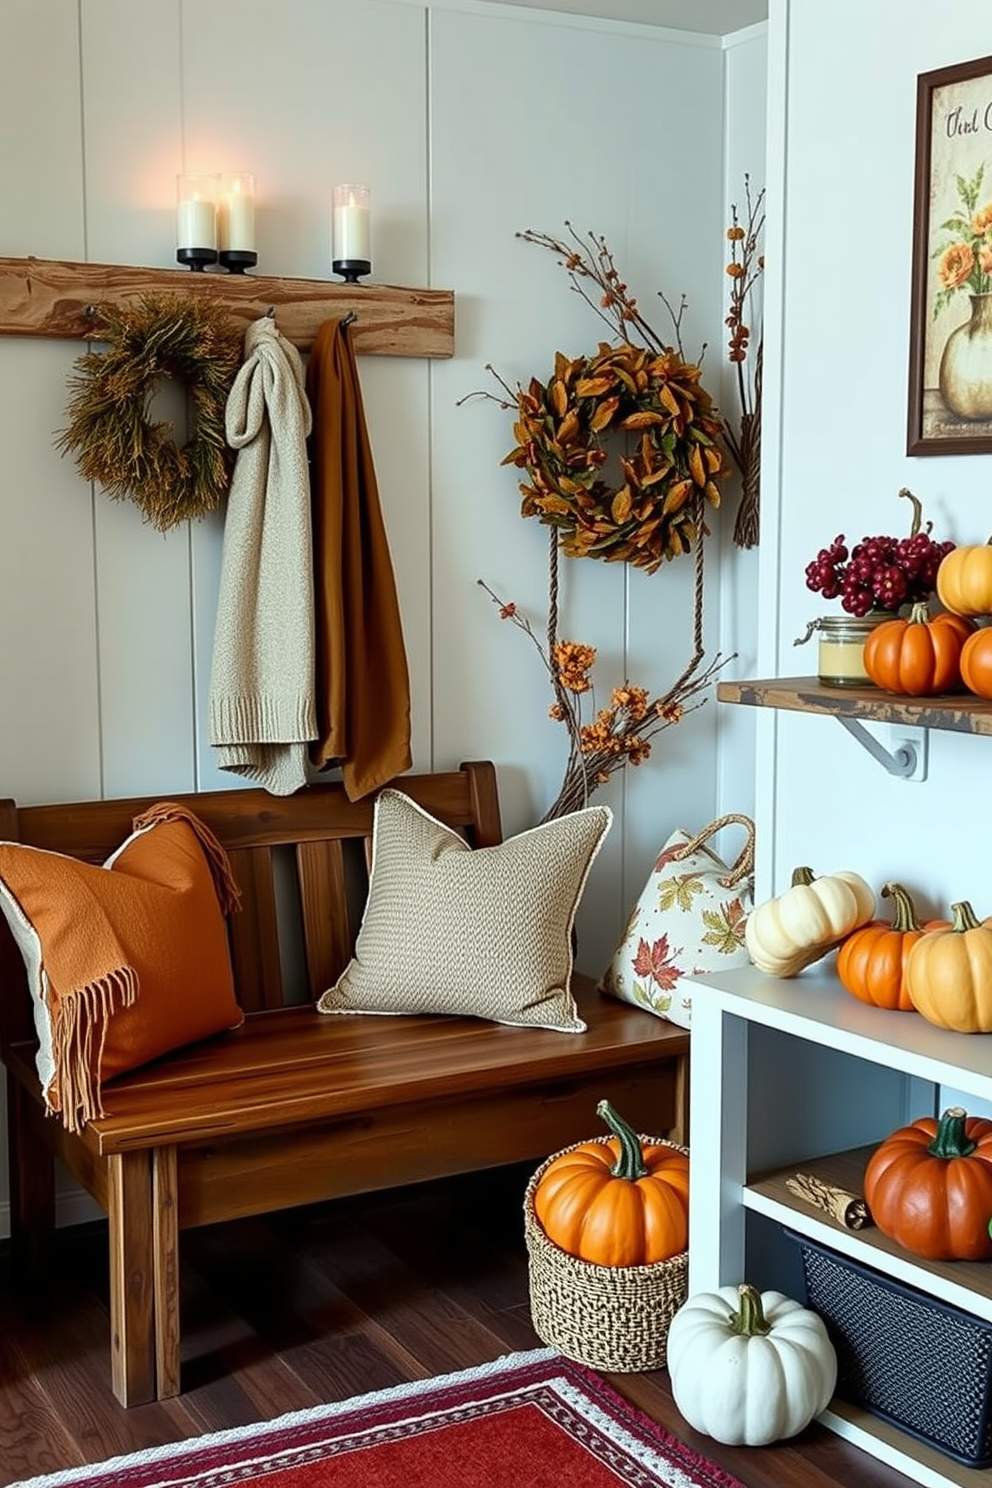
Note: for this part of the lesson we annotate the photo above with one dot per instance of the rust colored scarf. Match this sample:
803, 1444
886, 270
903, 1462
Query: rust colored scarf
362, 681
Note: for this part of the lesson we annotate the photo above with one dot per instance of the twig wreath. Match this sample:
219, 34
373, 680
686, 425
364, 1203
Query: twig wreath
589, 263
114, 440
562, 430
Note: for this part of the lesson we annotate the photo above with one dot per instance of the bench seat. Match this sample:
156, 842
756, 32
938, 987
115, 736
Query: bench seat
296, 1107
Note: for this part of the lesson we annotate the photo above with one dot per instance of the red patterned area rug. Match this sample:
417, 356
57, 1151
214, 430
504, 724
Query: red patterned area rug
529, 1420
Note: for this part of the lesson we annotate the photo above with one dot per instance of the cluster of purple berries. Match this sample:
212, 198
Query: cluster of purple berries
880, 573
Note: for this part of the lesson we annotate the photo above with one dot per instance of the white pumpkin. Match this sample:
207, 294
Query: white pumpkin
792, 930
749, 1368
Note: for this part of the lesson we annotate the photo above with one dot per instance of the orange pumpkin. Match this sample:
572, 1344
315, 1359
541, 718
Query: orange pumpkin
919, 656
618, 1202
976, 662
929, 1187
871, 963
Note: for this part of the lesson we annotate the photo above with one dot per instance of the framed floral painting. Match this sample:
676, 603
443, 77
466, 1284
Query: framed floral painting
950, 349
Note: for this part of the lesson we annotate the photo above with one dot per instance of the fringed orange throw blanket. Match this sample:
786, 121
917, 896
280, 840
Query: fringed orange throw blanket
125, 961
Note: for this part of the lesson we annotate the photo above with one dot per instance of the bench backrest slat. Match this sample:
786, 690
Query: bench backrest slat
300, 862
253, 931
329, 925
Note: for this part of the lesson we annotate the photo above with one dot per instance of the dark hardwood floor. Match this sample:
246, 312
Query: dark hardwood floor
318, 1305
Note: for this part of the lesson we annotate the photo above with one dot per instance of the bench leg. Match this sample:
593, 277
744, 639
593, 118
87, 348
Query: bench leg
166, 1242
680, 1133
32, 1182
130, 1211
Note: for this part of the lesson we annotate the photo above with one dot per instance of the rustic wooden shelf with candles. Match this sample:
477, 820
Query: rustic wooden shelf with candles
48, 297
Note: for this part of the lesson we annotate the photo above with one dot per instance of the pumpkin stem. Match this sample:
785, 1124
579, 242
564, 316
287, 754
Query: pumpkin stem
750, 1318
802, 876
951, 1139
963, 917
919, 613
630, 1164
904, 914
917, 510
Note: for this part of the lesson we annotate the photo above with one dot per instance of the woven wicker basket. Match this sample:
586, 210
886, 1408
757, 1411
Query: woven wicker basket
607, 1317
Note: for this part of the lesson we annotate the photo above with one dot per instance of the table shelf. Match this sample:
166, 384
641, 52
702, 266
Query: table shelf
844, 1075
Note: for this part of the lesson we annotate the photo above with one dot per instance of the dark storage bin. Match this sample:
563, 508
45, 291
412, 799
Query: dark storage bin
919, 1363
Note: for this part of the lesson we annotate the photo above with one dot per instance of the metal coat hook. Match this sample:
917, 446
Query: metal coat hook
349, 319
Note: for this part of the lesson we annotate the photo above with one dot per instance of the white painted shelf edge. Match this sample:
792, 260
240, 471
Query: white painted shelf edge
815, 1007
920, 1463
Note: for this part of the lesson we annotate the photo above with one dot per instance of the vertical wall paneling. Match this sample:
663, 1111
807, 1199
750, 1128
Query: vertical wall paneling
744, 153
498, 167
49, 743
49, 675
767, 868
131, 68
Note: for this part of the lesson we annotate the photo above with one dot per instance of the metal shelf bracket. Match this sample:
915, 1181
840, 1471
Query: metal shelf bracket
907, 759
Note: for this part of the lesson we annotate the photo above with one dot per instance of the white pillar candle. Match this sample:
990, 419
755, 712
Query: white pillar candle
196, 213
236, 213
352, 234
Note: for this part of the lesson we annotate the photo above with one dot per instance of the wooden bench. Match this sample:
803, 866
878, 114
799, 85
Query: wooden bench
294, 1106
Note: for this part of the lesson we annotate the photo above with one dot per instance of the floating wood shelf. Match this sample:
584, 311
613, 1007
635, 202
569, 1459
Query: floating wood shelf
961, 712
46, 297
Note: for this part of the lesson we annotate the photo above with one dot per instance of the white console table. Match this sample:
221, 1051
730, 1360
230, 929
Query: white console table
796, 1074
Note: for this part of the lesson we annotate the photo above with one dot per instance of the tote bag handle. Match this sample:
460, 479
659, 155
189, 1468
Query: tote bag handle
743, 866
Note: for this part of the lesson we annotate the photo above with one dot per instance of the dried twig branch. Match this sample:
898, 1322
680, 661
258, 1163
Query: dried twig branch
618, 735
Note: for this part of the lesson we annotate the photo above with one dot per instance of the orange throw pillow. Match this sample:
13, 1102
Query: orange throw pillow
125, 961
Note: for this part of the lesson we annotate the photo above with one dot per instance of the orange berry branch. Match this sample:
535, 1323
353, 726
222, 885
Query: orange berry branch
612, 737
744, 269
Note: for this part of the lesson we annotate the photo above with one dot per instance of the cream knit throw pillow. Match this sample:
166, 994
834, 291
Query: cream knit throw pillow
485, 932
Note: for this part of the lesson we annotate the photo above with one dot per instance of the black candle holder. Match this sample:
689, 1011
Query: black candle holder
196, 258
351, 269
237, 260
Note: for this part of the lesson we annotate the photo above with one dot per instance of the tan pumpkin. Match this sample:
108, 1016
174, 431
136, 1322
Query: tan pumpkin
793, 929
964, 580
949, 974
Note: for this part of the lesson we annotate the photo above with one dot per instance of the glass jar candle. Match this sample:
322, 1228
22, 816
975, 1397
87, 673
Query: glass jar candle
841, 647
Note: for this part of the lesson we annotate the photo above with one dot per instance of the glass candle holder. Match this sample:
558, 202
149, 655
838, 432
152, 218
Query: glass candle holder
196, 219
236, 222
351, 235
841, 647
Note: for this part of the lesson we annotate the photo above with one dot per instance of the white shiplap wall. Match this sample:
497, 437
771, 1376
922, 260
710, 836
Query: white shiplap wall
842, 129
843, 123
470, 121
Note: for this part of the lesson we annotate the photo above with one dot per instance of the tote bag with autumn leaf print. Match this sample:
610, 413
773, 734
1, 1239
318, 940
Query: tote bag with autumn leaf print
689, 920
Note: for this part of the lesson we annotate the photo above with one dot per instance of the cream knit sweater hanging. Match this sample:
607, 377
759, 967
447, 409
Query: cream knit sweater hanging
262, 710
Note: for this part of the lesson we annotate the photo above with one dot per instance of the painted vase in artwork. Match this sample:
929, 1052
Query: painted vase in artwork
965, 378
